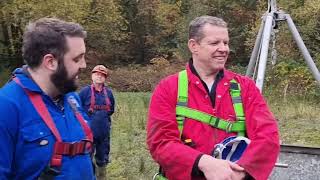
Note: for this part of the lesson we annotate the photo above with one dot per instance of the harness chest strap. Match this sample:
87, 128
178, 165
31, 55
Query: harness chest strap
228, 126
60, 148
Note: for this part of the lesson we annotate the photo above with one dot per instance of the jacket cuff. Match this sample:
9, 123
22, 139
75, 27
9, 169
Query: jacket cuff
195, 169
248, 177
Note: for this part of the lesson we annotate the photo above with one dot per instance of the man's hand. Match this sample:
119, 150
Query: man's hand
238, 175
217, 169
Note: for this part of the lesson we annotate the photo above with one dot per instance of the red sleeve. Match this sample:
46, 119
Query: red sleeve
163, 139
262, 129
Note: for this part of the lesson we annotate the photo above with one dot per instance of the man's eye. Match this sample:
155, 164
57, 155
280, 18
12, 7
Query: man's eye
214, 43
77, 59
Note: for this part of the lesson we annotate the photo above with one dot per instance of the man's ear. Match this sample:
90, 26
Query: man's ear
193, 46
50, 62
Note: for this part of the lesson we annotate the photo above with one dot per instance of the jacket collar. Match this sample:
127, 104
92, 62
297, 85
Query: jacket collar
26, 79
193, 76
222, 87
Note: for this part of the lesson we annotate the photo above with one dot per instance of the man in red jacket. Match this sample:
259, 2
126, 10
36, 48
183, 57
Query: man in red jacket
189, 155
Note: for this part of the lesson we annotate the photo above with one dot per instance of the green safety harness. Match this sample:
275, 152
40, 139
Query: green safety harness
183, 111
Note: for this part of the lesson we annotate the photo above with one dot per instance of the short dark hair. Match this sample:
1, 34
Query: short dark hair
48, 36
196, 26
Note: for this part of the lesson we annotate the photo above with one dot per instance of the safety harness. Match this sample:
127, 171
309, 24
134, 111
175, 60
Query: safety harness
60, 148
183, 111
93, 106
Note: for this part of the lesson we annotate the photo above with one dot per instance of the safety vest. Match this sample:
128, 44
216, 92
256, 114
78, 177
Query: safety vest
183, 111
61, 148
93, 105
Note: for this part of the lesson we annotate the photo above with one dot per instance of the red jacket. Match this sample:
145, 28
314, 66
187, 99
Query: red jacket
178, 159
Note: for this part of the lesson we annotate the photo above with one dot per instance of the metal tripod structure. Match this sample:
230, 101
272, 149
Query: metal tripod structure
260, 50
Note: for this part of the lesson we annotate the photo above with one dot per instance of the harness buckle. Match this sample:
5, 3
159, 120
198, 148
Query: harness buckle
73, 148
84, 146
229, 127
87, 146
216, 123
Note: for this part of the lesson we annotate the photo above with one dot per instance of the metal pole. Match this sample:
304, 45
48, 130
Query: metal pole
264, 50
303, 48
255, 51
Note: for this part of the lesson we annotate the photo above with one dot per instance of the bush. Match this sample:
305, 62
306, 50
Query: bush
138, 78
4, 76
290, 77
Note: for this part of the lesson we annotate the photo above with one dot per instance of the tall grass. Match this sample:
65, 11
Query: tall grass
299, 122
130, 158
298, 118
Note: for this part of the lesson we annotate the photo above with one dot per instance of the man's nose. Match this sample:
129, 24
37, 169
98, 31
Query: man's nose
223, 47
83, 63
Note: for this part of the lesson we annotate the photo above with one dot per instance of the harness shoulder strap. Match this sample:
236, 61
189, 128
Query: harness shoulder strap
235, 92
73, 103
92, 98
182, 97
106, 96
60, 148
183, 88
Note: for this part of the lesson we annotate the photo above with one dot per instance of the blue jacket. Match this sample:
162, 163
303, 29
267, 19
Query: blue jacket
22, 156
100, 119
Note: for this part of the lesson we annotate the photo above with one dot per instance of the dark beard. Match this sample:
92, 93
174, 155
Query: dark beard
61, 81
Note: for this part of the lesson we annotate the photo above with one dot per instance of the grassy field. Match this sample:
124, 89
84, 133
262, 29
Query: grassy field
299, 122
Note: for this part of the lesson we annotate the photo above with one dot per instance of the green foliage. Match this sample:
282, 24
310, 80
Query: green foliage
289, 78
105, 26
240, 16
122, 32
4, 75
167, 18
16, 14
101, 18
291, 74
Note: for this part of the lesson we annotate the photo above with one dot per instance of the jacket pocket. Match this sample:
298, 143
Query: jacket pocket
36, 132
35, 148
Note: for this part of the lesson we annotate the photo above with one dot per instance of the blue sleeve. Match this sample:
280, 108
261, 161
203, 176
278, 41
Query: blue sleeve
8, 130
112, 101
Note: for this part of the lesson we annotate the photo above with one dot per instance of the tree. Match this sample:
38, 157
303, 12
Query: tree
15, 15
106, 31
240, 16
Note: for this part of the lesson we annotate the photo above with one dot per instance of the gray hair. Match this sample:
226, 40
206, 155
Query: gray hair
196, 26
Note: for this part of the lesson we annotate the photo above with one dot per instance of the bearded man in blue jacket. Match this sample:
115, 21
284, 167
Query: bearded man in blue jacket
43, 129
